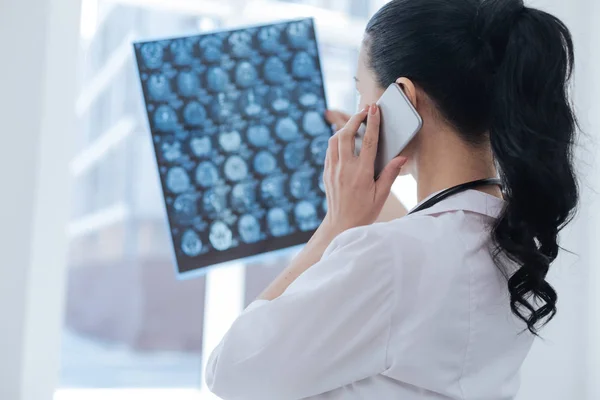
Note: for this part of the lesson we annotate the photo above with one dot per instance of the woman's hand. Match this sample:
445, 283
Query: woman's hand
354, 198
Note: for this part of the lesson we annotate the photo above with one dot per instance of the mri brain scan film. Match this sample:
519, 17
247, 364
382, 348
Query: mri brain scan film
236, 119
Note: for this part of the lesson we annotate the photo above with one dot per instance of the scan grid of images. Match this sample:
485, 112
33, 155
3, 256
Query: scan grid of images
236, 118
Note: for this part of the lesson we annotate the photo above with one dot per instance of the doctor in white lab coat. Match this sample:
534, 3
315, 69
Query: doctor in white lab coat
443, 303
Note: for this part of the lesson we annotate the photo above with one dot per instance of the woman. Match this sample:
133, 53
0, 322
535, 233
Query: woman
443, 303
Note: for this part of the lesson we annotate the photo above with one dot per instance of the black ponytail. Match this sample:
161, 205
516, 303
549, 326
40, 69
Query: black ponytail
498, 71
531, 133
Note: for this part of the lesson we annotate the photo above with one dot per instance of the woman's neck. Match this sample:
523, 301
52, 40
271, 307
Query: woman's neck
445, 161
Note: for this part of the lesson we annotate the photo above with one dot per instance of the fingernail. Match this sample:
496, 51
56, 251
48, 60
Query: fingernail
374, 109
402, 161
366, 108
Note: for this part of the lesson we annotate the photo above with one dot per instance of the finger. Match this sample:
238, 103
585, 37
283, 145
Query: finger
326, 174
327, 162
346, 144
333, 151
354, 122
368, 151
388, 176
337, 118
347, 134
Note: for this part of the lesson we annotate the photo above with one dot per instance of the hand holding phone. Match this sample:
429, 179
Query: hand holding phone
400, 122
345, 175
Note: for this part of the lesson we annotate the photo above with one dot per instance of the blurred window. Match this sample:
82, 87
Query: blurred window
129, 323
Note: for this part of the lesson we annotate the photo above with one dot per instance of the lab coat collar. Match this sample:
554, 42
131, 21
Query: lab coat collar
469, 200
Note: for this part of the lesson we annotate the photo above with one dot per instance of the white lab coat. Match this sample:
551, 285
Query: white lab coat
409, 309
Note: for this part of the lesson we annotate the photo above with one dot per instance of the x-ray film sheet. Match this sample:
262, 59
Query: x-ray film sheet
236, 119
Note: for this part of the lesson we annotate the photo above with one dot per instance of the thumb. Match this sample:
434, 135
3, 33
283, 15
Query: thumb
388, 176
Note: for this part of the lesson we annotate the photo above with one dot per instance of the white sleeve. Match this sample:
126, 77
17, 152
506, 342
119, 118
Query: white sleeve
328, 329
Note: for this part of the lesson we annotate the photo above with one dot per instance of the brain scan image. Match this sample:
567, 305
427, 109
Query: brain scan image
191, 245
236, 168
259, 135
158, 86
243, 197
165, 118
286, 129
314, 124
216, 79
185, 207
212, 53
182, 51
298, 34
265, 163
306, 216
294, 155
188, 83
230, 141
308, 97
220, 236
152, 55
302, 65
211, 49
201, 147
237, 124
269, 38
178, 180
278, 222
222, 110
214, 201
318, 149
301, 184
274, 70
194, 113
272, 189
245, 74
249, 228
207, 174
171, 151
241, 44
250, 104
279, 100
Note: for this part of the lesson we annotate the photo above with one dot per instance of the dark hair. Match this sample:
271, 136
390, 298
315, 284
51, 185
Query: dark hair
498, 72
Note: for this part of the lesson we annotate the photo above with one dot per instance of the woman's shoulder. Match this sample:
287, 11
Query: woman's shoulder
381, 247
408, 234
402, 249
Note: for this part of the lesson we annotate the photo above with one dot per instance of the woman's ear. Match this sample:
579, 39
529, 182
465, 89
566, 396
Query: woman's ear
409, 89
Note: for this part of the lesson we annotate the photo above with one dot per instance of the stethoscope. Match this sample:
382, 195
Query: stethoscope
454, 190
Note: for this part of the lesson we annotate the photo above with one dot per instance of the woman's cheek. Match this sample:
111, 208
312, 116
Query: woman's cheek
367, 99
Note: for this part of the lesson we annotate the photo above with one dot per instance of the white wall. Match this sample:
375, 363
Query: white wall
560, 366
39, 40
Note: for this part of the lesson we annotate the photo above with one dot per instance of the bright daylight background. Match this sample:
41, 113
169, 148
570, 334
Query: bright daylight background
129, 325
129, 330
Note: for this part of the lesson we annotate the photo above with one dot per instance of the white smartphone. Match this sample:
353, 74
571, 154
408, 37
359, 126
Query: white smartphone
400, 122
